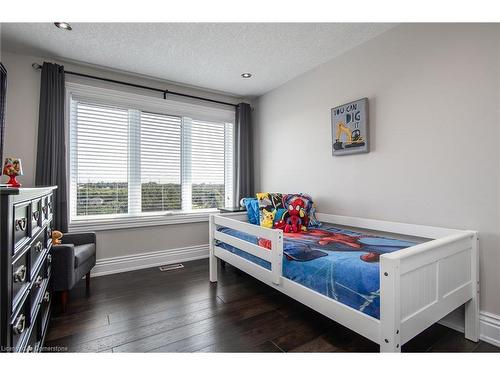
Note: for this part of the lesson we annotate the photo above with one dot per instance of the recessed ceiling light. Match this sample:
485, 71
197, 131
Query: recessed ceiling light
246, 75
63, 25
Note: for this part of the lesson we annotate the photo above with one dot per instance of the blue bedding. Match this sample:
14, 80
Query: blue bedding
336, 262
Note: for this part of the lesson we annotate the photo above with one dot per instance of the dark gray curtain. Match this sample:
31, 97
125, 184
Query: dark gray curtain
244, 146
51, 150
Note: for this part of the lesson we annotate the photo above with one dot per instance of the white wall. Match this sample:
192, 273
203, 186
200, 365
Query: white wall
21, 113
21, 141
433, 92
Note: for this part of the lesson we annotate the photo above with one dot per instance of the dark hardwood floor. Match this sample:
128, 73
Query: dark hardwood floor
181, 311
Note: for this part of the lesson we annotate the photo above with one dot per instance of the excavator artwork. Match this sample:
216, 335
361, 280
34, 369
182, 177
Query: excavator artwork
353, 139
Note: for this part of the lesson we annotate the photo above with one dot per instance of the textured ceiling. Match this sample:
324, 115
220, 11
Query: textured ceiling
206, 55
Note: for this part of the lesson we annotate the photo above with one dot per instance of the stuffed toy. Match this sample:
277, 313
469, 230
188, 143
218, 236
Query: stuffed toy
270, 202
280, 218
305, 202
296, 212
56, 237
268, 218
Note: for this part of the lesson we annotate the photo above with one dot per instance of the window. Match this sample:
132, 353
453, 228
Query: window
101, 140
160, 162
135, 156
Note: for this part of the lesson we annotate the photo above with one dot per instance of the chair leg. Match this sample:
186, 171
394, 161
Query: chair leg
87, 283
64, 300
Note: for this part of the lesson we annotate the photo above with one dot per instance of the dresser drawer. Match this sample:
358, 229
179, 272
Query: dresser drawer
48, 264
37, 249
50, 206
36, 216
45, 208
20, 275
48, 234
34, 339
40, 283
40, 308
20, 325
37, 291
21, 225
45, 311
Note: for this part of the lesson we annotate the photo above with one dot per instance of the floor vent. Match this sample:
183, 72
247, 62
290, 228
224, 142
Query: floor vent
170, 267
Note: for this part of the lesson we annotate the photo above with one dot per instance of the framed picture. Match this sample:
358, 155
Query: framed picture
350, 128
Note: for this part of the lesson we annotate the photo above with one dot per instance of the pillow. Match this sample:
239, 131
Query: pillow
252, 206
269, 203
313, 220
275, 208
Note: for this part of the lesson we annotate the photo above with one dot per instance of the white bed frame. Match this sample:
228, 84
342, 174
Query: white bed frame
419, 285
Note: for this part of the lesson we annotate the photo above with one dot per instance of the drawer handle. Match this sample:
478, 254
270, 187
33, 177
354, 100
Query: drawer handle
36, 215
46, 297
21, 224
30, 349
44, 210
20, 274
38, 246
49, 258
38, 281
19, 325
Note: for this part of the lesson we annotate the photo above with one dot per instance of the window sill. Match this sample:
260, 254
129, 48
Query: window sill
138, 222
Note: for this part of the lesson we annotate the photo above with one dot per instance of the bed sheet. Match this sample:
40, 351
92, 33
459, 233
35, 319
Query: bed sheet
339, 263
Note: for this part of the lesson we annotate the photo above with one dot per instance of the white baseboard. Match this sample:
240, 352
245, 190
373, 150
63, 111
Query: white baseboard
490, 328
489, 325
133, 262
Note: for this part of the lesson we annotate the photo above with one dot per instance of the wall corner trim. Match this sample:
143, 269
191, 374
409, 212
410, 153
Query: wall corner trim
139, 261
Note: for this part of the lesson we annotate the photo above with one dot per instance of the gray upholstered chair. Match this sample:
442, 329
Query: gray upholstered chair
71, 260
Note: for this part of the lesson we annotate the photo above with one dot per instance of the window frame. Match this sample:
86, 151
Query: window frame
133, 101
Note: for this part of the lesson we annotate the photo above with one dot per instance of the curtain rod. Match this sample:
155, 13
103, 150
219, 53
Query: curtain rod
165, 92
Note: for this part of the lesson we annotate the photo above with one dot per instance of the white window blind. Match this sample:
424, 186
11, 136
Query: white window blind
101, 154
126, 161
207, 164
160, 164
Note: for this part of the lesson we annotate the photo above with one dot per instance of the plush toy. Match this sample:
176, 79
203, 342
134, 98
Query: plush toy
294, 222
268, 218
305, 202
56, 237
280, 218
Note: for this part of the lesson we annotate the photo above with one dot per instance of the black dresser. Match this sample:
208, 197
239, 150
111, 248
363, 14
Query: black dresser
25, 246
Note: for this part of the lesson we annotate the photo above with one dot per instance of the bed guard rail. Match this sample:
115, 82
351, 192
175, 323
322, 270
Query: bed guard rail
273, 255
